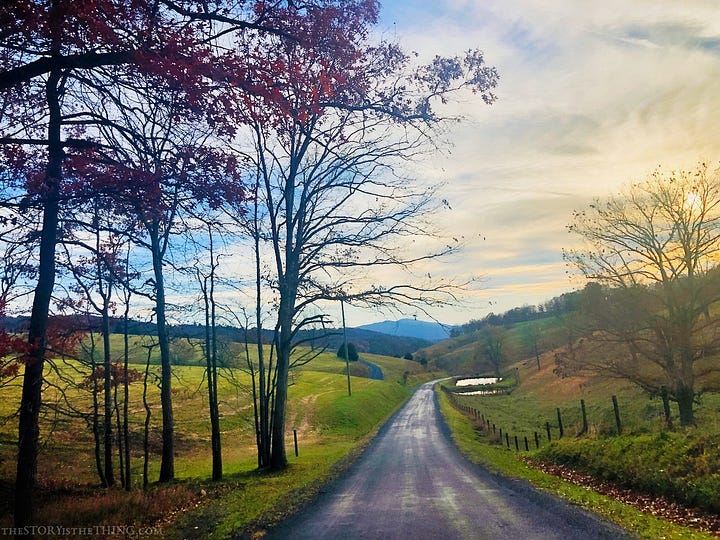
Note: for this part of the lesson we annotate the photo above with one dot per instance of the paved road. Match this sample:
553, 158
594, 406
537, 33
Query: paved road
413, 483
376, 371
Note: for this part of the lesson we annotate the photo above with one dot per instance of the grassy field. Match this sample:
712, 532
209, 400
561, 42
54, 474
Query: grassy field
330, 426
463, 354
638, 459
501, 460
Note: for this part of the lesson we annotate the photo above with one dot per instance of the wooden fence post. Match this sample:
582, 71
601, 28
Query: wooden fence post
547, 428
617, 414
560, 425
584, 429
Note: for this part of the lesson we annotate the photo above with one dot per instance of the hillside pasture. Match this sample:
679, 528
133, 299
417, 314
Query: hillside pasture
680, 465
328, 423
463, 354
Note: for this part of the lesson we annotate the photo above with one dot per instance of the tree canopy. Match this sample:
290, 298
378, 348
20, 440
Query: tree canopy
650, 254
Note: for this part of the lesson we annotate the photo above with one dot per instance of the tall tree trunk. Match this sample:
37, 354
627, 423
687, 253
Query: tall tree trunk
105, 291
214, 411
685, 379
278, 457
254, 392
31, 400
118, 425
207, 284
126, 385
263, 403
148, 413
108, 401
96, 411
167, 463
685, 399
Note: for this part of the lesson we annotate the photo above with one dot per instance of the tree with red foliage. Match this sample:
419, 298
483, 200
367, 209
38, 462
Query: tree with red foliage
118, 375
53, 52
170, 169
11, 348
15, 268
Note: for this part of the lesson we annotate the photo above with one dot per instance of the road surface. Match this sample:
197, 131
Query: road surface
412, 483
376, 372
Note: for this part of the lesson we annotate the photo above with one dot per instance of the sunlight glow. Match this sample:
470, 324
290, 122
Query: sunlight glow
693, 202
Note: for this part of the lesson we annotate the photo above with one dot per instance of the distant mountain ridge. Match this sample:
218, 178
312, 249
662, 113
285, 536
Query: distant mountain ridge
365, 340
430, 331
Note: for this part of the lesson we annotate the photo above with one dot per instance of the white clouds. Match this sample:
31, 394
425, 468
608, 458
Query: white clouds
591, 95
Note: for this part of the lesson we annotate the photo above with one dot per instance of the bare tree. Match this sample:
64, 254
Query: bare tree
532, 334
491, 344
333, 203
98, 262
651, 252
207, 280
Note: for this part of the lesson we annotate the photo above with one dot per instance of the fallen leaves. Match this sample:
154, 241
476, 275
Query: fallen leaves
657, 506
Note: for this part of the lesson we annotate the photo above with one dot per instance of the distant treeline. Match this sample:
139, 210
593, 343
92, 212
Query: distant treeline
557, 306
329, 338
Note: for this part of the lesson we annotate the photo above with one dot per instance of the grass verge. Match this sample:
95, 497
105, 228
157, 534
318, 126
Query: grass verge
499, 459
249, 501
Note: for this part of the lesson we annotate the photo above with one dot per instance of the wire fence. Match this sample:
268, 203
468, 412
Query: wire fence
527, 440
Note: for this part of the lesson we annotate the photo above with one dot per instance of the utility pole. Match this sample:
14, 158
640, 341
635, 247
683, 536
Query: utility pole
347, 352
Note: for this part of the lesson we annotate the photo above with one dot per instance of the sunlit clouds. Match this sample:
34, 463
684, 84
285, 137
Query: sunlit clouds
592, 95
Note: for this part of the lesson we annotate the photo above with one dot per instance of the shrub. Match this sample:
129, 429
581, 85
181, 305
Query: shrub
352, 350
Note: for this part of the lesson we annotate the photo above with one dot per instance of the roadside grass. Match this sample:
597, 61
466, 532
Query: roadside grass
501, 460
330, 426
249, 501
680, 466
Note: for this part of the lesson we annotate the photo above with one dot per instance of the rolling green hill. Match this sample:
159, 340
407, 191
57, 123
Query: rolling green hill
679, 465
329, 424
463, 354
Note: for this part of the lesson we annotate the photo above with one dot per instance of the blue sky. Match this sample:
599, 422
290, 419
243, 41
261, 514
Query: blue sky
592, 95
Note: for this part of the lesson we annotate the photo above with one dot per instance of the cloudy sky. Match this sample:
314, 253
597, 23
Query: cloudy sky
592, 95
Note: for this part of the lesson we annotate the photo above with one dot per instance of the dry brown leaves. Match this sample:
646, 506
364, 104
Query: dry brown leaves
657, 506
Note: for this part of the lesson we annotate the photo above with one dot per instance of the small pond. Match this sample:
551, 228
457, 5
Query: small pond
477, 381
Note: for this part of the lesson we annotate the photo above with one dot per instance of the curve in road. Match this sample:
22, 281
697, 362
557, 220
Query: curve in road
376, 372
412, 483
